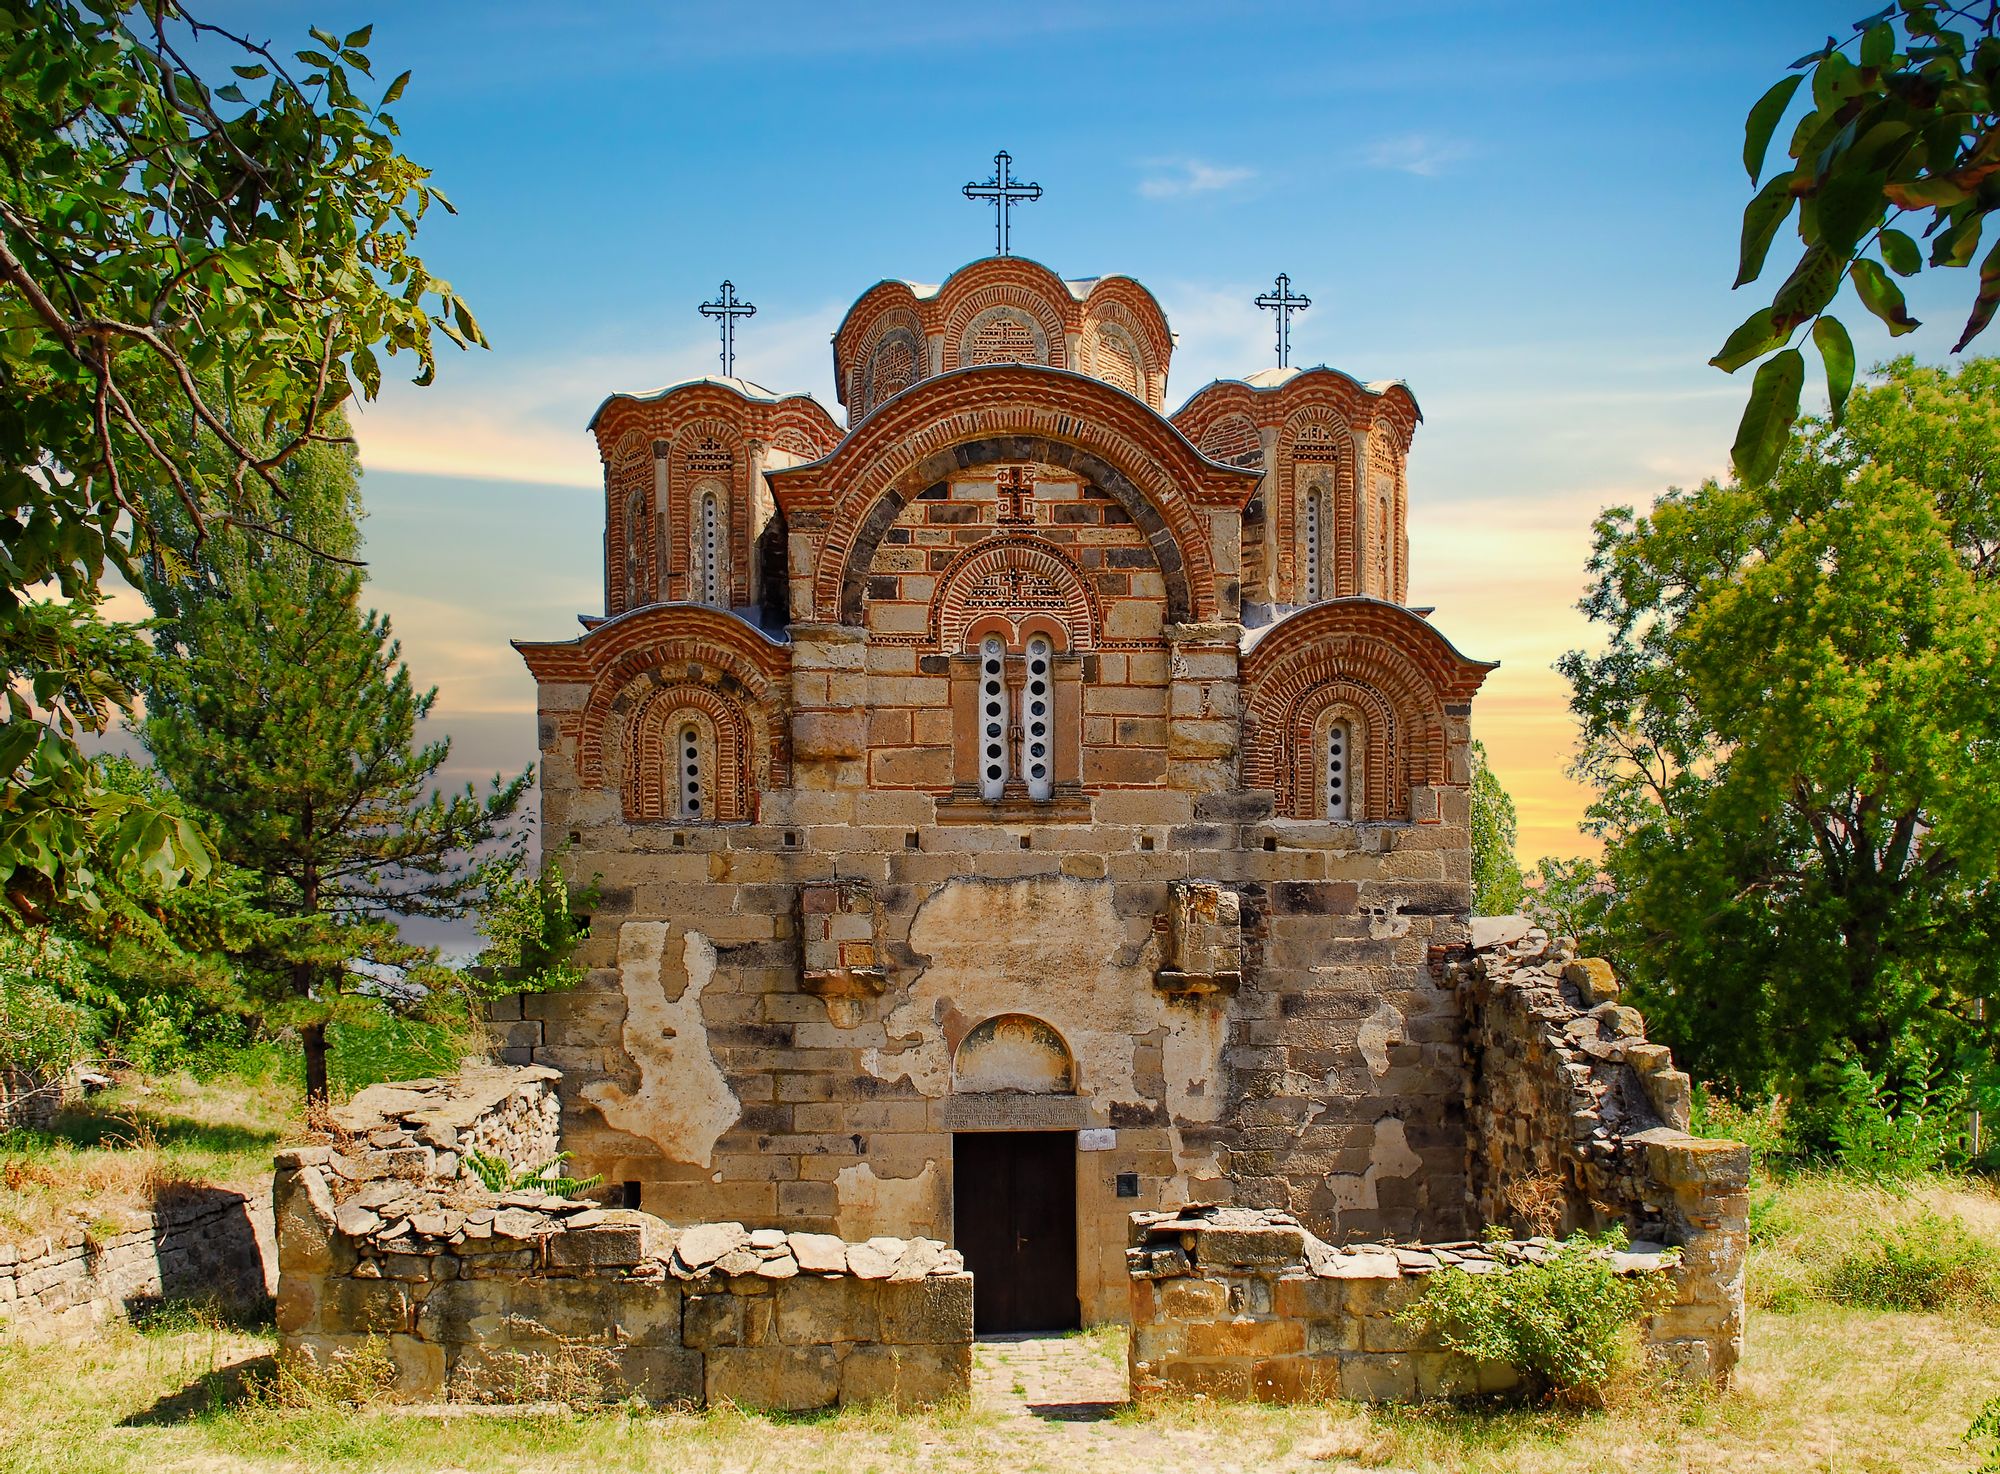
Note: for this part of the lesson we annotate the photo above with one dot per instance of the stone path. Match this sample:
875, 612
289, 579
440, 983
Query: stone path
1055, 1378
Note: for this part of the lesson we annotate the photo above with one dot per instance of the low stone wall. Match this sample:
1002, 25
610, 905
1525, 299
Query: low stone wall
1575, 1121
200, 1243
505, 1111
385, 1241
1245, 1304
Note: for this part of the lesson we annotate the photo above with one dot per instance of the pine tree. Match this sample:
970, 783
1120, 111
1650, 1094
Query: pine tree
282, 712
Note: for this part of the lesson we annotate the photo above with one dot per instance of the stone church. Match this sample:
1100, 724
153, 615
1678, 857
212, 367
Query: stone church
1014, 806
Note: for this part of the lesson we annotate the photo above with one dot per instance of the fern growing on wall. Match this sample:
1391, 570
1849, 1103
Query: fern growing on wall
502, 1176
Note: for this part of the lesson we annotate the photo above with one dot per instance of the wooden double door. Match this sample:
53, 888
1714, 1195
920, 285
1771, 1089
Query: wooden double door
1014, 1207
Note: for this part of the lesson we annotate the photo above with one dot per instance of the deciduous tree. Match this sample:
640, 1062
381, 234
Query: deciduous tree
1793, 734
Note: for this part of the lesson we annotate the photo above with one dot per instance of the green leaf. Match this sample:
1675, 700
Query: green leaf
1764, 121
1881, 296
1758, 335
1954, 247
1901, 254
358, 38
1810, 286
1761, 219
1878, 44
395, 89
1984, 304
1923, 194
1836, 349
1768, 417
1850, 205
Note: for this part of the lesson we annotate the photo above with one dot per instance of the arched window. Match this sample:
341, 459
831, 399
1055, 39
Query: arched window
692, 786
1312, 544
1343, 771
1037, 721
708, 552
992, 718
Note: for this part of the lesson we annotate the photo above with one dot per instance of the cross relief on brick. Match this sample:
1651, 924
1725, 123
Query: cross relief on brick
1016, 485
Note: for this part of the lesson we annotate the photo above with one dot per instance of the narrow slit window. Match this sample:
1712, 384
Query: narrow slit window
687, 756
1037, 725
1312, 545
710, 533
1342, 794
992, 717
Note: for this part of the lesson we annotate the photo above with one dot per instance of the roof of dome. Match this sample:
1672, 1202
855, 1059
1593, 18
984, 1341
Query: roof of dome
745, 387
1267, 379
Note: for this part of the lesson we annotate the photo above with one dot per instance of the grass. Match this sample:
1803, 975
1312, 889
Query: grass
120, 1151
1823, 1386
196, 1396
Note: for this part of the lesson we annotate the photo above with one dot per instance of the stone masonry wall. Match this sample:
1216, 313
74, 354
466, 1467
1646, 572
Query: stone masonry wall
709, 1058
197, 1243
526, 1296
1245, 1305
1575, 1121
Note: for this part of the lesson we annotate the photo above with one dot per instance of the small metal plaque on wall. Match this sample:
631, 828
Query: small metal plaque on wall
1096, 1139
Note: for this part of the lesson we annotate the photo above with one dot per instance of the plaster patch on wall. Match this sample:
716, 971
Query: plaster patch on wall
1389, 1155
902, 1207
683, 1103
1378, 1031
1045, 945
1387, 922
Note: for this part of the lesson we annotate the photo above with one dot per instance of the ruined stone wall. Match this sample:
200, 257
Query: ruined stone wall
712, 1061
1245, 1306
527, 1297
203, 1243
1574, 1120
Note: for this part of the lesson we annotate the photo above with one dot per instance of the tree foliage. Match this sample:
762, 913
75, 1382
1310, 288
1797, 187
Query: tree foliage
1901, 134
1793, 733
195, 277
288, 720
1497, 888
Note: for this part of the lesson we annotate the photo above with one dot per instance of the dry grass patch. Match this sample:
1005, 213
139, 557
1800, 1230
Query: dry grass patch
128, 1148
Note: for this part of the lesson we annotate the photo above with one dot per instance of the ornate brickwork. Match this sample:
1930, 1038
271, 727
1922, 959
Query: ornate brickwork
1014, 577
1006, 309
1375, 663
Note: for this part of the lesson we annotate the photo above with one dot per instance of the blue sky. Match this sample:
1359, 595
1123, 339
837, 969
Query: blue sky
1529, 212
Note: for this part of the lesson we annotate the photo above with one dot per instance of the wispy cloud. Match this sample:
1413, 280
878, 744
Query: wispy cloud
1171, 179
1423, 154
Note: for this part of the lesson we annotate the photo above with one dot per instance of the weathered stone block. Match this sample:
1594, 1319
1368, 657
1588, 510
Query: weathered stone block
1378, 1378
1276, 1245
1191, 1299
774, 1378
929, 1311
367, 1307
1289, 1379
712, 1320
1246, 1338
1227, 1380
906, 1376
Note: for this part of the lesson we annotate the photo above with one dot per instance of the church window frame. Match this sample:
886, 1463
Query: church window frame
1342, 762
993, 720
689, 802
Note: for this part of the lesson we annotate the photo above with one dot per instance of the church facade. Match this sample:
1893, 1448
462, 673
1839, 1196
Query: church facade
1014, 806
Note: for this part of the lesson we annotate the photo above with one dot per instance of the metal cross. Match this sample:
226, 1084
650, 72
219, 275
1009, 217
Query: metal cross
1284, 301
1003, 194
726, 307
1017, 485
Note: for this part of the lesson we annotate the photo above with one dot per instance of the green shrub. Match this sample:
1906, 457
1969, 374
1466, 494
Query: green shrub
1984, 1436
1883, 1132
1562, 1324
1932, 1262
42, 1036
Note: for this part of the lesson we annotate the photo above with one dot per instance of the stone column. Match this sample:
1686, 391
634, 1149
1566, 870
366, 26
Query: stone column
829, 707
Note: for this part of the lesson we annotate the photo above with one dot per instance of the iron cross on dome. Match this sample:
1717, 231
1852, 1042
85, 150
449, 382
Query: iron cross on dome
728, 309
1003, 194
1016, 485
1284, 301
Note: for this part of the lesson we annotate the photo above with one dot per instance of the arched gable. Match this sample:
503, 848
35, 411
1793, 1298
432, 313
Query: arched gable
1316, 444
1393, 669
629, 662
881, 304
1005, 282
1122, 299
1037, 573
630, 521
1010, 413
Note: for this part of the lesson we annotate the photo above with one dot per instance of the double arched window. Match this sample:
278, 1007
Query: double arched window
1017, 750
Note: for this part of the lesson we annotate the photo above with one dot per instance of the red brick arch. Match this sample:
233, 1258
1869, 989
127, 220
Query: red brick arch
650, 768
952, 614
1391, 666
1011, 412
